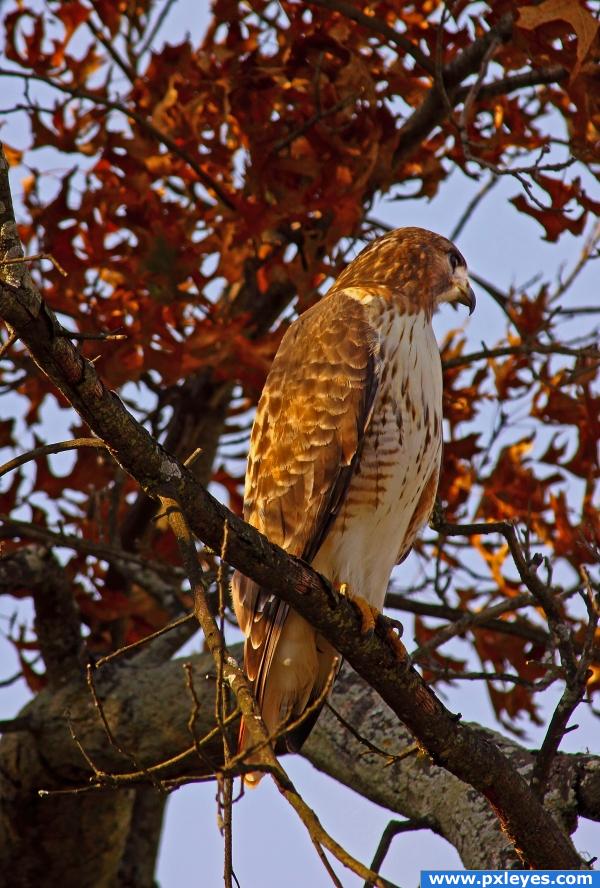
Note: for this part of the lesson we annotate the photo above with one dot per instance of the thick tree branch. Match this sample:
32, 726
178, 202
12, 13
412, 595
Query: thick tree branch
148, 707
57, 622
451, 744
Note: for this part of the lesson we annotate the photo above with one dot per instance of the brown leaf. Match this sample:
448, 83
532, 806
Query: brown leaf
581, 20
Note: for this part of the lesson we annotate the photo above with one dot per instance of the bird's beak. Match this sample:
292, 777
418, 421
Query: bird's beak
466, 295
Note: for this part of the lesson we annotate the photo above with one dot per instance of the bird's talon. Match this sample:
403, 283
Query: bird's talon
390, 623
368, 613
401, 653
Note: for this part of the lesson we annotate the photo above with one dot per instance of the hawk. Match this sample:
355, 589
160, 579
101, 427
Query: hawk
345, 453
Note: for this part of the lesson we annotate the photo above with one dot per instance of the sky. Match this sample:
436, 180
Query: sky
271, 847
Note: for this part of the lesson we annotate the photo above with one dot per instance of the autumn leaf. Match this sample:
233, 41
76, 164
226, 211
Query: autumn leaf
584, 25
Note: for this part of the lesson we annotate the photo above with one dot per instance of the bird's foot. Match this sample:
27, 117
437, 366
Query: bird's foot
392, 630
368, 613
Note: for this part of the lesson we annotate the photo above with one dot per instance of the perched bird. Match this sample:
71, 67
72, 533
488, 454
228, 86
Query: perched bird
345, 453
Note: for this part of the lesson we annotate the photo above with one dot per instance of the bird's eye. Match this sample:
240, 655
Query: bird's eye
455, 260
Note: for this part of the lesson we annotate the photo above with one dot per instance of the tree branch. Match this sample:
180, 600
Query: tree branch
47, 449
455, 746
57, 622
149, 707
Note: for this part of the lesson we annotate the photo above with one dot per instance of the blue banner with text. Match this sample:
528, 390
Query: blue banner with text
512, 878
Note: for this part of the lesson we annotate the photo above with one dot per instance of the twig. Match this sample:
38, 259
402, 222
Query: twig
447, 675
111, 737
394, 828
524, 348
92, 337
194, 713
46, 449
505, 85
220, 699
12, 338
22, 259
469, 620
107, 43
579, 310
224, 783
156, 27
507, 530
433, 111
10, 528
142, 641
544, 593
572, 696
315, 118
391, 758
500, 298
226, 815
472, 206
519, 628
98, 774
585, 256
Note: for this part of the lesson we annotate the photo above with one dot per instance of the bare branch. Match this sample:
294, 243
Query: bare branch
390, 758
469, 620
525, 348
472, 206
94, 337
126, 649
520, 628
47, 449
587, 252
109, 733
10, 528
34, 257
12, 338
575, 686
394, 828
156, 27
433, 110
107, 43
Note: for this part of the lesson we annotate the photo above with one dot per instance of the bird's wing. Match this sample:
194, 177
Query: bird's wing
307, 435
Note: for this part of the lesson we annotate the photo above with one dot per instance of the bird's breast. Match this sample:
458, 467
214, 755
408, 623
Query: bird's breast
400, 450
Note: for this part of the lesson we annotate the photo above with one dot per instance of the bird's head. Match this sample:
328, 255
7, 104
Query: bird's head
421, 268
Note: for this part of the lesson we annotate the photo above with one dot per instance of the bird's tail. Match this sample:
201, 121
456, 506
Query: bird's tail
252, 778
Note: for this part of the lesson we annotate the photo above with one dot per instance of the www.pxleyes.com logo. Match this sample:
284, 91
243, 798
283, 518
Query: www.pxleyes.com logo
512, 878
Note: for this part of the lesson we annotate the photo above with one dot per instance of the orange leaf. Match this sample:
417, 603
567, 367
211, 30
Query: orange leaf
13, 155
581, 20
